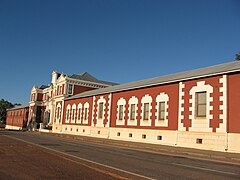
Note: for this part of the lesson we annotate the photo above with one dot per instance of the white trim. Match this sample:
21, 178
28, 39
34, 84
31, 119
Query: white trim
93, 110
201, 124
100, 121
109, 109
67, 118
132, 100
180, 107
78, 121
121, 102
73, 120
58, 119
162, 97
86, 106
146, 99
223, 107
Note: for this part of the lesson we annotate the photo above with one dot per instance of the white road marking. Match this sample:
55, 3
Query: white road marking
205, 169
100, 164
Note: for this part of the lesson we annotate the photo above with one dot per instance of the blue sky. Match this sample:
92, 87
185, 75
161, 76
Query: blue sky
114, 40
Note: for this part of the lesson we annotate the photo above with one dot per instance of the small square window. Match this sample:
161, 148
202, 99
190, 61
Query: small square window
144, 136
83, 130
99, 132
130, 134
71, 129
65, 129
199, 141
118, 134
77, 130
159, 137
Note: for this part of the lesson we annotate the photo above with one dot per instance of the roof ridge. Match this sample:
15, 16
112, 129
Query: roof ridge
169, 78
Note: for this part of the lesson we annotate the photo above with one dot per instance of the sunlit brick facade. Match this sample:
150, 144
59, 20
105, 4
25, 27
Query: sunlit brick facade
197, 109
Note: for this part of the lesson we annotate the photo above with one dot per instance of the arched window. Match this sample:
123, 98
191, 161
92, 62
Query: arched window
162, 110
86, 112
133, 102
73, 118
121, 111
146, 110
79, 113
68, 113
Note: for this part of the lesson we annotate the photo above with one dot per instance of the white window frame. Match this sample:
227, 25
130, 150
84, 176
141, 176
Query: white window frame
162, 97
79, 115
68, 110
121, 102
197, 104
132, 100
73, 114
70, 93
146, 99
86, 113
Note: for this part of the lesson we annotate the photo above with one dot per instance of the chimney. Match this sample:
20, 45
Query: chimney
54, 77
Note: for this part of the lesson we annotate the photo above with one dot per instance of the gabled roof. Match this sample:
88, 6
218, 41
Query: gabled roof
85, 76
43, 87
192, 74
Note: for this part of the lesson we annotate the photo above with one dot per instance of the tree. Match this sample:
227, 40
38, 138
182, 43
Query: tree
4, 105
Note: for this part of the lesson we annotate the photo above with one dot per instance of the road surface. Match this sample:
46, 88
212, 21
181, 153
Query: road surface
59, 158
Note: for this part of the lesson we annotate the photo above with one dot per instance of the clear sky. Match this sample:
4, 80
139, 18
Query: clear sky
114, 40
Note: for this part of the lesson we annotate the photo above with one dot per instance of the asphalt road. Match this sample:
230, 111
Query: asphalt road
119, 162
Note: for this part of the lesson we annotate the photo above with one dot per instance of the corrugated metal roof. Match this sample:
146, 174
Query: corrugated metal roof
85, 76
192, 74
19, 107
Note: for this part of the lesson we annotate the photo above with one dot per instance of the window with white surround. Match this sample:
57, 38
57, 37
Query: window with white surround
100, 110
85, 114
200, 101
132, 110
201, 104
162, 109
120, 111
86, 111
68, 113
146, 110
73, 114
70, 88
60, 90
79, 113
58, 113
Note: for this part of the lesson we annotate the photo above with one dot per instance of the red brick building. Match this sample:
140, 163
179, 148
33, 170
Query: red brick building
197, 109
46, 101
17, 117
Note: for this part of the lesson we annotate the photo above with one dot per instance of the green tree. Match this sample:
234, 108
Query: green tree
4, 105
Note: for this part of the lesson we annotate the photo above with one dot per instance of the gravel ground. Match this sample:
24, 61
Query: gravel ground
19, 160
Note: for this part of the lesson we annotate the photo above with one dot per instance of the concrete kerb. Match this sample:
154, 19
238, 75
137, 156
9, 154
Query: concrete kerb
224, 157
